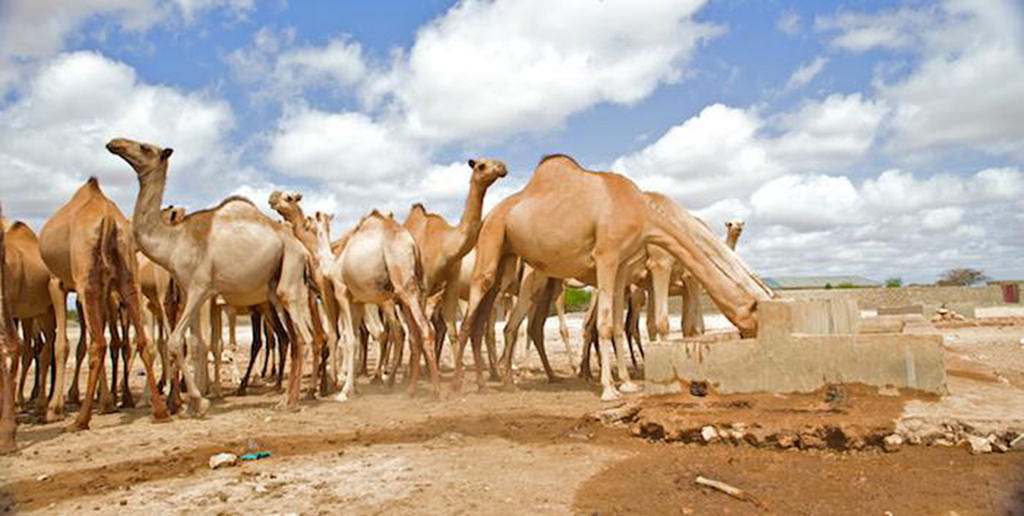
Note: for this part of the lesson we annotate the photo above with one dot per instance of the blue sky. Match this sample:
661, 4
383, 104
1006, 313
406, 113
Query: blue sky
863, 137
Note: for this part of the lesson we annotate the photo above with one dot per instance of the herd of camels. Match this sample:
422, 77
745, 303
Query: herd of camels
383, 278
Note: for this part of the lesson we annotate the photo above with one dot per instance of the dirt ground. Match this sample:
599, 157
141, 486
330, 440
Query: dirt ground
532, 451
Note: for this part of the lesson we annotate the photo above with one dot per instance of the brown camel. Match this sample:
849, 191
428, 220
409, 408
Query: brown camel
88, 247
9, 349
603, 223
379, 263
442, 246
233, 249
28, 282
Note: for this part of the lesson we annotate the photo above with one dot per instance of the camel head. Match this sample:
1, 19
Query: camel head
287, 204
143, 157
487, 171
173, 214
734, 226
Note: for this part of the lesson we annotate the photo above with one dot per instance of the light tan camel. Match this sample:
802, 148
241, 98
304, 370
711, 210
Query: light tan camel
155, 283
28, 282
88, 247
379, 263
668, 277
442, 246
571, 223
9, 349
233, 249
287, 205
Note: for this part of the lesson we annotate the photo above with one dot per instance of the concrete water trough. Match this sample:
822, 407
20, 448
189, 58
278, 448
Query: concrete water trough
802, 346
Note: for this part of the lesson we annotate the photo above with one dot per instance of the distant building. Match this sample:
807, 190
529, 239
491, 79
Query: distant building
1011, 290
813, 282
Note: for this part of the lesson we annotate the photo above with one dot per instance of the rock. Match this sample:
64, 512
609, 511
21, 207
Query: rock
786, 439
1018, 442
43, 478
809, 440
892, 442
979, 444
223, 460
708, 433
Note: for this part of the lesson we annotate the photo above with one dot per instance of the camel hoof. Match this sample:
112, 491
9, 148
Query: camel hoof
288, 406
629, 387
376, 380
341, 397
108, 407
610, 394
8, 447
161, 417
309, 396
55, 415
76, 426
200, 406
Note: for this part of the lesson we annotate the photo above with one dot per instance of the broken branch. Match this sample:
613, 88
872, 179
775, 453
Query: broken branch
734, 492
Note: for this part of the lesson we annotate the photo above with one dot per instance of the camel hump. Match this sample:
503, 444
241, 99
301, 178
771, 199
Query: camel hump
561, 157
20, 227
93, 182
236, 198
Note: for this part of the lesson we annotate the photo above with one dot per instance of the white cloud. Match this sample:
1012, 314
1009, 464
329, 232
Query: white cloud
490, 69
788, 23
282, 70
965, 84
340, 147
803, 75
808, 202
32, 29
725, 151
52, 137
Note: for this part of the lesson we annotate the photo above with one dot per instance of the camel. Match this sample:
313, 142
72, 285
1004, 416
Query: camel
9, 349
28, 289
443, 246
88, 247
379, 263
287, 205
568, 222
668, 277
232, 249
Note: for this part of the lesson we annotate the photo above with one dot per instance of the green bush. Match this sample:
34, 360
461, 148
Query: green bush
894, 282
576, 299
846, 284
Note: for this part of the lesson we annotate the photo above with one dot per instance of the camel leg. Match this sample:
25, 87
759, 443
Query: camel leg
659, 279
131, 297
395, 339
563, 326
27, 354
9, 351
351, 314
535, 326
128, 357
233, 343
115, 346
217, 345
319, 380
589, 338
255, 319
693, 317
608, 270
619, 329
293, 294
513, 321
58, 298
486, 270
283, 340
93, 300
652, 328
269, 333
194, 300
424, 339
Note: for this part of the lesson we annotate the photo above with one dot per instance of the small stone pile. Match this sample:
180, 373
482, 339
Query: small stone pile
944, 314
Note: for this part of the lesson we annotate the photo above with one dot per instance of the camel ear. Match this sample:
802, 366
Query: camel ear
298, 197
472, 163
166, 153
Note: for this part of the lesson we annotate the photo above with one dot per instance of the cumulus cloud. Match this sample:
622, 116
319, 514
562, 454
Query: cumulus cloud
280, 69
726, 151
52, 138
788, 23
31, 30
964, 85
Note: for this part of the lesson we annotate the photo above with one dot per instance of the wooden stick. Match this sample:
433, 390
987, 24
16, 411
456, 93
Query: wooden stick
734, 492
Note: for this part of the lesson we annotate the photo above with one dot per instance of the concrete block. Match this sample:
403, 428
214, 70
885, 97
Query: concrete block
901, 310
801, 346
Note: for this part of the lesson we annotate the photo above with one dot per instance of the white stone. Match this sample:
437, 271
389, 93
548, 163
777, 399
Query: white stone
1018, 442
222, 460
979, 444
892, 442
708, 433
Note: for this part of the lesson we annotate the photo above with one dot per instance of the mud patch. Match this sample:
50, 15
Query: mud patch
924, 481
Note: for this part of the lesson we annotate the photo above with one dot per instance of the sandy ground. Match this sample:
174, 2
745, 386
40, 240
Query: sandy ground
532, 451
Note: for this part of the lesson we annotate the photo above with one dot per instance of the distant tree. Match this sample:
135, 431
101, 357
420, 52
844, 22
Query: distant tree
828, 286
846, 284
894, 282
962, 276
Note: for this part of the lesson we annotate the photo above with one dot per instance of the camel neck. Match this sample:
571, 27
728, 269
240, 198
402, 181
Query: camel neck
469, 224
298, 221
731, 239
156, 238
